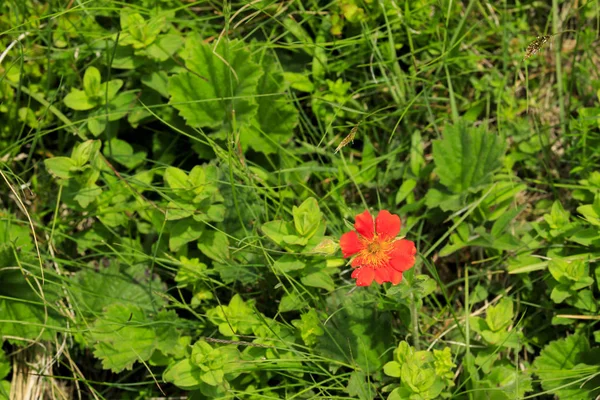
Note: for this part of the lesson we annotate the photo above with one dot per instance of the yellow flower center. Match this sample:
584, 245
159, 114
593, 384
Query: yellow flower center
375, 253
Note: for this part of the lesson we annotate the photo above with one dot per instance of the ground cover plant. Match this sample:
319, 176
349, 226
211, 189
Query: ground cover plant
366, 199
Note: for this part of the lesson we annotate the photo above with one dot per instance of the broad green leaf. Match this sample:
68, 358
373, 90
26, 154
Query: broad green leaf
299, 81
87, 194
60, 166
216, 85
309, 326
214, 245
184, 374
319, 279
108, 90
562, 368
500, 316
92, 291
278, 230
288, 263
121, 105
124, 335
236, 318
406, 188
360, 387
184, 231
91, 82
291, 302
97, 122
176, 178
466, 157
78, 100
307, 217
122, 152
560, 293
417, 156
392, 369
164, 47
158, 81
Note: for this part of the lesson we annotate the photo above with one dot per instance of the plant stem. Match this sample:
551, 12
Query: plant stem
559, 80
415, 322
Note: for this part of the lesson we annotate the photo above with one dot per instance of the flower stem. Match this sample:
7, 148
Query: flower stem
415, 322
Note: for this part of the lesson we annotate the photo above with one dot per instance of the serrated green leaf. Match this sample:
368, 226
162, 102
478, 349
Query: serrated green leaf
466, 157
309, 326
275, 118
184, 374
122, 336
562, 369
219, 84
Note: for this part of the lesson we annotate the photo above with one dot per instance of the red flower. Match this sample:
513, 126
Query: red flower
378, 254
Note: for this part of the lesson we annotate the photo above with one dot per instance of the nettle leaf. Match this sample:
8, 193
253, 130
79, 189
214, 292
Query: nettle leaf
275, 118
93, 290
563, 366
124, 334
466, 157
217, 85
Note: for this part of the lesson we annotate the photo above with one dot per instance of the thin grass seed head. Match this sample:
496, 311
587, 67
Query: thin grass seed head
535, 46
347, 139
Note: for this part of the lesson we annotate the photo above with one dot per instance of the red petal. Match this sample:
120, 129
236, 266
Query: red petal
364, 276
382, 275
387, 225
357, 261
396, 276
364, 225
350, 244
402, 256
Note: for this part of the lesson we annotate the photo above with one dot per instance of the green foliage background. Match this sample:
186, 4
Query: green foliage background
171, 198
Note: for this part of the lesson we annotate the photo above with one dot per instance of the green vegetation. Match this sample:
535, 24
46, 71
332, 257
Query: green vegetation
175, 178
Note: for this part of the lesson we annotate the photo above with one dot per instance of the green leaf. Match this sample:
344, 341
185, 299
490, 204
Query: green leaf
392, 369
122, 336
122, 152
406, 189
299, 81
236, 318
78, 100
87, 194
310, 327
184, 374
288, 263
278, 230
176, 178
121, 105
184, 231
158, 81
560, 293
359, 387
214, 245
275, 118
60, 167
91, 82
291, 302
307, 217
500, 316
562, 368
164, 47
319, 279
221, 81
92, 291
466, 157
108, 91
97, 122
